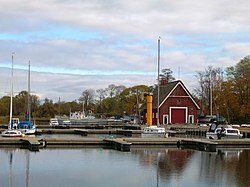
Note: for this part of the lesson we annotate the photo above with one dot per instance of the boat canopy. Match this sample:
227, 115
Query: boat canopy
25, 125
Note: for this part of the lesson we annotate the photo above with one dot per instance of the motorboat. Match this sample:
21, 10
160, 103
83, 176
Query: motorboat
154, 132
216, 132
79, 118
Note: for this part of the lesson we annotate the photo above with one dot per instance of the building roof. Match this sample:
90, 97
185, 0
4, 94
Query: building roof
165, 92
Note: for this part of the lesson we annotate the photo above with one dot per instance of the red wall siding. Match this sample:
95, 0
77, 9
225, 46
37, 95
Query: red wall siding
178, 98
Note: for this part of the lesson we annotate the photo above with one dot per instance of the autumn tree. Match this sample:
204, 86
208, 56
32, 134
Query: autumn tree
239, 76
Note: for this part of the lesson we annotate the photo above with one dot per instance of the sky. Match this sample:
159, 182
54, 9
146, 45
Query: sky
74, 45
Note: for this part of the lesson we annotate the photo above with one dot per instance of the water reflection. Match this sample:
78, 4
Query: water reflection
140, 167
177, 167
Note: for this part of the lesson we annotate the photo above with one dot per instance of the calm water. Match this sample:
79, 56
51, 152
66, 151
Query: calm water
147, 167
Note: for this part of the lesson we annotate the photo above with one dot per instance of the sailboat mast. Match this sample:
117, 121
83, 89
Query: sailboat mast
28, 108
11, 92
158, 86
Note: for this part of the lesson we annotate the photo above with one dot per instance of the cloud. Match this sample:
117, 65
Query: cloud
74, 45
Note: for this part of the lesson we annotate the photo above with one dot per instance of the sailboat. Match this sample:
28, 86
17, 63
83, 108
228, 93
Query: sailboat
26, 127
154, 131
11, 132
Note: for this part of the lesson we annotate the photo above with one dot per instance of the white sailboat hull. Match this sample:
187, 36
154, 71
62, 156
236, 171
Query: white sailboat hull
11, 133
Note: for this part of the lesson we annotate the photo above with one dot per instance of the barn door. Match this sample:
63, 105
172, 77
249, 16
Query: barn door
178, 115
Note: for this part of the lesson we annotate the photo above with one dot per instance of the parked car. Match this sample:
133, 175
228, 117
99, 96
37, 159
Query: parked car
54, 122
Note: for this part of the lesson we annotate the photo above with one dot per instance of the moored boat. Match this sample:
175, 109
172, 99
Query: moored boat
223, 131
26, 127
154, 132
11, 132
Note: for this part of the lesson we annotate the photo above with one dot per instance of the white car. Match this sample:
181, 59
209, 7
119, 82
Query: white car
54, 122
245, 125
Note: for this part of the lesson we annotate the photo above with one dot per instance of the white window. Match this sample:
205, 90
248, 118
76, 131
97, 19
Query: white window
165, 119
191, 119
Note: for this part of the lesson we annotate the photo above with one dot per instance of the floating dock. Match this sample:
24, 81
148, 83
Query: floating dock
119, 144
123, 144
202, 145
34, 144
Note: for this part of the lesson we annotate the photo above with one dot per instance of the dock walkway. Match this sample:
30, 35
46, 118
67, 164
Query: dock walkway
198, 144
34, 143
123, 144
119, 144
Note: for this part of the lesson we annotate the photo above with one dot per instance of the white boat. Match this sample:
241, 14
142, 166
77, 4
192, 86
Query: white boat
216, 132
154, 132
10, 132
79, 118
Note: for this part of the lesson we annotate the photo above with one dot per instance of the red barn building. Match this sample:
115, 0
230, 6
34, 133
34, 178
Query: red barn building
176, 105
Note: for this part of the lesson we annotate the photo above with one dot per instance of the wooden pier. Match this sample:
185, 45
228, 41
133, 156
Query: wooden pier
34, 144
123, 144
119, 144
82, 132
202, 144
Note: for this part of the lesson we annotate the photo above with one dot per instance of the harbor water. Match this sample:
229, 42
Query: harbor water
141, 167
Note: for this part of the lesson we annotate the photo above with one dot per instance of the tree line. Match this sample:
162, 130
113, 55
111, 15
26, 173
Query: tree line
226, 92
219, 92
116, 100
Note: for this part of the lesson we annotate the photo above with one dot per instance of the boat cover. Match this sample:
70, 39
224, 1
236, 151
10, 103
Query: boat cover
25, 125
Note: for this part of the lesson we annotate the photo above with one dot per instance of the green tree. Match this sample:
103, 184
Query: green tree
47, 109
166, 75
5, 106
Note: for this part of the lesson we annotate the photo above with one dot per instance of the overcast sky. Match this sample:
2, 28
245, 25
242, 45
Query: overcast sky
75, 45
